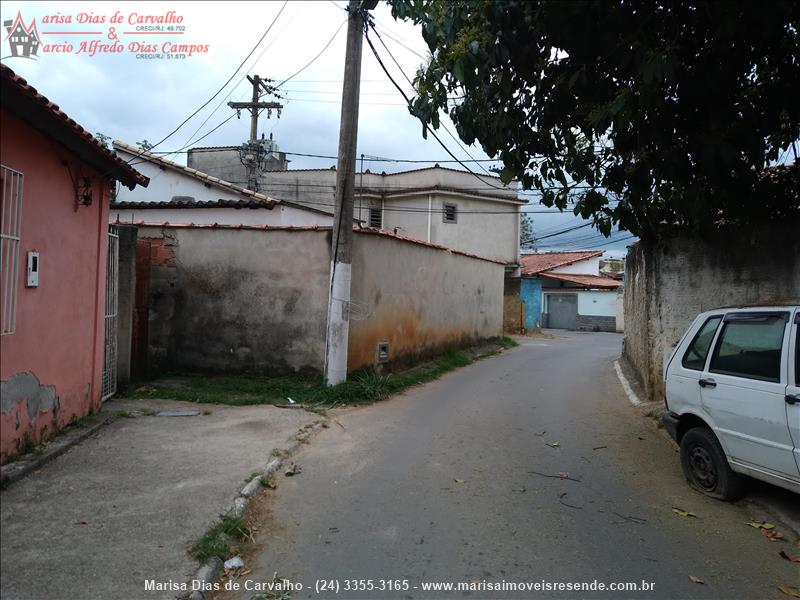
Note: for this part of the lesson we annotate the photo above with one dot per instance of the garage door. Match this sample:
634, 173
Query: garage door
562, 311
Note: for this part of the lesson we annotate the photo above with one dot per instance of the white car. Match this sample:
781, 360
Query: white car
733, 399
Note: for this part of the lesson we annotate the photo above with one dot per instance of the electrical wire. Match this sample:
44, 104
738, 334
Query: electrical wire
313, 60
431, 131
411, 83
217, 93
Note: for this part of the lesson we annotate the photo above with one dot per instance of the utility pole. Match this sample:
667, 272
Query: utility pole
341, 245
252, 153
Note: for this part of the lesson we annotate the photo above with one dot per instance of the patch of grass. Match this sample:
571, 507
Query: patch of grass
124, 414
362, 387
507, 342
655, 414
86, 420
223, 539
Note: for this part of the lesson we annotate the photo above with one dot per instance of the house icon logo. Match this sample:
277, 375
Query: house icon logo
24, 41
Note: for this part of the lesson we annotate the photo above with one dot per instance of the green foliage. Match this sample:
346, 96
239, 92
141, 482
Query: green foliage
222, 540
642, 114
527, 239
362, 387
103, 138
145, 145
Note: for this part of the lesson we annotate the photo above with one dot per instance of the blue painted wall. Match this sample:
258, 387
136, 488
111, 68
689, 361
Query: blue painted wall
530, 291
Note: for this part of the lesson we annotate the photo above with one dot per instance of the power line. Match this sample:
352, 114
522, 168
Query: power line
411, 83
252, 67
207, 102
313, 60
399, 89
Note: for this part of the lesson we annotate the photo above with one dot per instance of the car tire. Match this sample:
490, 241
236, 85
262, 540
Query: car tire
706, 468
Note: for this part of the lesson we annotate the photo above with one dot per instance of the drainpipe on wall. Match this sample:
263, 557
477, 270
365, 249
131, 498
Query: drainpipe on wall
430, 208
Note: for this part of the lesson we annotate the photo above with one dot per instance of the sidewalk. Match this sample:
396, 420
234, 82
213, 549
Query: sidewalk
124, 505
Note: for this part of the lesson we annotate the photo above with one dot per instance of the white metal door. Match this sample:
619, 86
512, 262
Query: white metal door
793, 389
112, 285
743, 389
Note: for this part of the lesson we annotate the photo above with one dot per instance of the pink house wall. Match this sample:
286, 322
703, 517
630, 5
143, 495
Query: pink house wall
59, 325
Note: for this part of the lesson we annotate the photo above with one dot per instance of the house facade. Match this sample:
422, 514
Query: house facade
435, 204
562, 290
438, 205
179, 194
56, 312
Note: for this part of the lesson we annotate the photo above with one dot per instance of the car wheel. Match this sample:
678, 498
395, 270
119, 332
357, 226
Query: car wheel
705, 466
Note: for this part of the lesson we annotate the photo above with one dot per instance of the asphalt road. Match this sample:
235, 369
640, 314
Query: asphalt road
464, 480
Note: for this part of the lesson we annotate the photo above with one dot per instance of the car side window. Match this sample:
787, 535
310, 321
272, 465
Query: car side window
750, 346
695, 356
797, 358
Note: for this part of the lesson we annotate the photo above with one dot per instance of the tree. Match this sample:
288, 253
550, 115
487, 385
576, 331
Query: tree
527, 238
103, 138
644, 113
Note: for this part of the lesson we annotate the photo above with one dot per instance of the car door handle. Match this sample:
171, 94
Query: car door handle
704, 383
792, 399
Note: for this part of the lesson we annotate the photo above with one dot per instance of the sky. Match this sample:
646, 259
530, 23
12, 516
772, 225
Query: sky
134, 99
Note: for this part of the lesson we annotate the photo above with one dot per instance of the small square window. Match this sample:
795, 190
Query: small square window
450, 213
375, 218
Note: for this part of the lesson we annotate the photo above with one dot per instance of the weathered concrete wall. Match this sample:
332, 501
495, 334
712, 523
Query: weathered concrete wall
125, 297
419, 299
668, 283
241, 300
51, 365
256, 300
512, 306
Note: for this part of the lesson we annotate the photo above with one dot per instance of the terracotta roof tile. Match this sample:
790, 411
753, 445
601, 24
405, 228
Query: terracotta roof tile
590, 281
533, 264
21, 98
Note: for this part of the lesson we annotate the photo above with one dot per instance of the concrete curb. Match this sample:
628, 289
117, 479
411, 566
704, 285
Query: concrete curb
210, 570
635, 400
16, 470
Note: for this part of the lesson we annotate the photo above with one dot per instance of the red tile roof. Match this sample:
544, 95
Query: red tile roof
533, 264
22, 99
589, 281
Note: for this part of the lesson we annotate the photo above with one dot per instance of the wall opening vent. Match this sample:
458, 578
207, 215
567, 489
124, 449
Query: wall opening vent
382, 352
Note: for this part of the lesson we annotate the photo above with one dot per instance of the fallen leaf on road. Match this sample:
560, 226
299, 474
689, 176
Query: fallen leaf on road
458, 480
696, 579
294, 469
83, 522
683, 513
789, 591
540, 434
773, 536
563, 474
554, 445
791, 557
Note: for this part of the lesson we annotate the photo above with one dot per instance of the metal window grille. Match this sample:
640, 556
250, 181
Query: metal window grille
12, 183
450, 213
112, 286
375, 218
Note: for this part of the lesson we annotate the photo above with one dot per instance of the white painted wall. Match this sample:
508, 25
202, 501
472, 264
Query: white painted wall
590, 266
620, 311
597, 304
278, 216
165, 183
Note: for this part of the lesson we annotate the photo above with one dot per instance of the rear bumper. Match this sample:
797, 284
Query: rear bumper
670, 422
